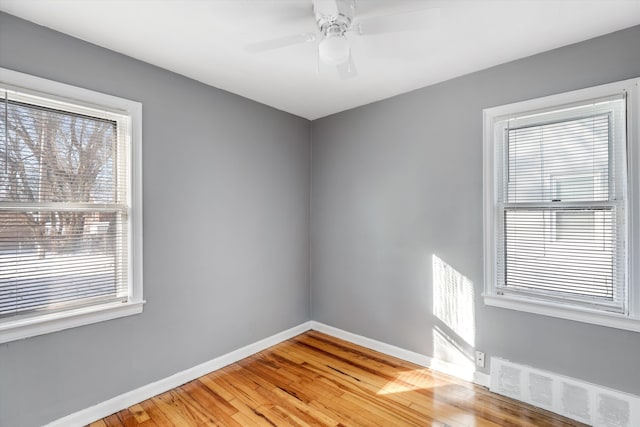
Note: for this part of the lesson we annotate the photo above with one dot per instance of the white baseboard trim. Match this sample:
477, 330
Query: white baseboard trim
123, 401
457, 371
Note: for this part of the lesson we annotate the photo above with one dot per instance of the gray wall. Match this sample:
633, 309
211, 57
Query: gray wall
226, 208
397, 181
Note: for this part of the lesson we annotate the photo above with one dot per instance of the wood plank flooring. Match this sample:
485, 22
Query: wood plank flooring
318, 380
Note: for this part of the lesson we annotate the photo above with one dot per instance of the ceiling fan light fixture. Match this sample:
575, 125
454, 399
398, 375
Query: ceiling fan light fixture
334, 49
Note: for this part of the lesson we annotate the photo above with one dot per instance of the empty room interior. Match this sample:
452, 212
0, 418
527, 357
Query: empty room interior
319, 213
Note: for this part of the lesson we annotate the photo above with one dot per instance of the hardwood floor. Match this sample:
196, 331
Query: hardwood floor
314, 379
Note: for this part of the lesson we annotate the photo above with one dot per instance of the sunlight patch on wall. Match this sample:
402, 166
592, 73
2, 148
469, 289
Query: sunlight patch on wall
444, 348
453, 305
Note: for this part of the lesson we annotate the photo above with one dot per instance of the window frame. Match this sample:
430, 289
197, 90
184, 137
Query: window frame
60, 93
552, 306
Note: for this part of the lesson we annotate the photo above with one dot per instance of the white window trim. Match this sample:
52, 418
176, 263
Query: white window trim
14, 329
630, 321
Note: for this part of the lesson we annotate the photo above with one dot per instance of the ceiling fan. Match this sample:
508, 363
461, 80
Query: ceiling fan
337, 21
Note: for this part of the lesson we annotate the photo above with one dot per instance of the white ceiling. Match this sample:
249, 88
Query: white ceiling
206, 39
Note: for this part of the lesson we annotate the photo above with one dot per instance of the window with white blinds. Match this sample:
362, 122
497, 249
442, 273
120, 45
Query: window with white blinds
563, 202
65, 206
557, 212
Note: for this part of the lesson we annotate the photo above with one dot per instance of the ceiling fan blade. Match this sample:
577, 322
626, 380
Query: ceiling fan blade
280, 42
408, 21
347, 70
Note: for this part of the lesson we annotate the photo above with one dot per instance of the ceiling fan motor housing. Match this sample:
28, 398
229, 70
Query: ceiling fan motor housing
334, 17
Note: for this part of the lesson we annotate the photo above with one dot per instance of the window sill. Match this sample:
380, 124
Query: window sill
577, 314
12, 330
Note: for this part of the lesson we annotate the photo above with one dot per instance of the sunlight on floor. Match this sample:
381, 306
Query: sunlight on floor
409, 380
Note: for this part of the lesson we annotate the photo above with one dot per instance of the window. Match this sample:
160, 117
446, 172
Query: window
70, 211
561, 205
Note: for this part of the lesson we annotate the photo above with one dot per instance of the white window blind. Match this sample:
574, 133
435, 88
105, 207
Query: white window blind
562, 203
64, 205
